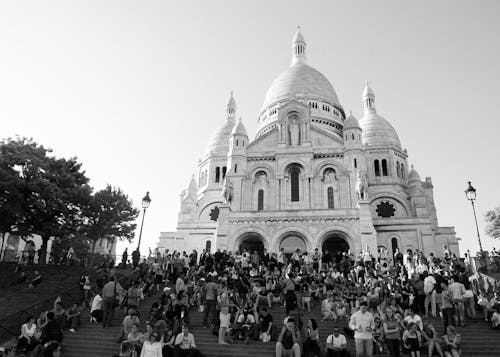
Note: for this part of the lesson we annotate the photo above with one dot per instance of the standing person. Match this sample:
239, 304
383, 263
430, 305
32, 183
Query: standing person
210, 301
109, 295
134, 295
362, 323
458, 290
125, 258
336, 344
391, 333
447, 306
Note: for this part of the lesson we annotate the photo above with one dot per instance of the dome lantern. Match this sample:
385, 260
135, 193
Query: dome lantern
369, 99
299, 48
231, 107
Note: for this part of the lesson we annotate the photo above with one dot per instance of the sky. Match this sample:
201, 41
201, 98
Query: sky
134, 89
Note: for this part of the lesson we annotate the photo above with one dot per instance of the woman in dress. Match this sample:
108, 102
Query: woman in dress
312, 346
412, 339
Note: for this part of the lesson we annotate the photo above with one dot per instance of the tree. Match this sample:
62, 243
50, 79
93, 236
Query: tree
492, 219
109, 215
53, 191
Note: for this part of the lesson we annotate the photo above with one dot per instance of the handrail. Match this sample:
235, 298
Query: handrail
11, 324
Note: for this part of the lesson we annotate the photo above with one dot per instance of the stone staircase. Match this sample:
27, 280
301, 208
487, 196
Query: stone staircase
95, 341
478, 339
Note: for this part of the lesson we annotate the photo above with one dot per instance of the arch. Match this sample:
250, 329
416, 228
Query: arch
321, 166
206, 207
398, 168
295, 185
403, 172
268, 169
283, 170
252, 243
291, 242
344, 232
335, 244
376, 167
280, 236
247, 232
394, 197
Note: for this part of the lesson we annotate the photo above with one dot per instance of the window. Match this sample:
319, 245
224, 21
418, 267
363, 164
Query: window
237, 142
294, 184
217, 174
355, 163
235, 168
398, 167
330, 197
385, 209
224, 169
403, 171
208, 246
353, 136
384, 167
260, 200
376, 167
394, 244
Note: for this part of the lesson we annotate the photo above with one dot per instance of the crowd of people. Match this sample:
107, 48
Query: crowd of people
388, 304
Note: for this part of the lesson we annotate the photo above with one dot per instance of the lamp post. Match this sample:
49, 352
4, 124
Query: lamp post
145, 204
470, 193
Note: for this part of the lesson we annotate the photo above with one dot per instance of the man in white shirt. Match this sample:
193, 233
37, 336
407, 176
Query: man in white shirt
412, 317
336, 344
96, 312
362, 323
185, 345
458, 290
179, 284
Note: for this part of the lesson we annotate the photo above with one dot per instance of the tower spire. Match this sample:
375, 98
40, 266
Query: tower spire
299, 48
231, 107
369, 99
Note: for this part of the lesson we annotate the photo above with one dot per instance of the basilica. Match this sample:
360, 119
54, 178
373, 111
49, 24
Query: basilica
312, 177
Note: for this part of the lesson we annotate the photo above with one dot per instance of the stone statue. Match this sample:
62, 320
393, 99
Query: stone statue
294, 133
361, 186
227, 192
329, 175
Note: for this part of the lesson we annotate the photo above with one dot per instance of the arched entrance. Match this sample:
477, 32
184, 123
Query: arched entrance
291, 242
335, 245
252, 243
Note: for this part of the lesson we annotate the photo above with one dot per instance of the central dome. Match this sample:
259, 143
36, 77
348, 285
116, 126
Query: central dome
301, 81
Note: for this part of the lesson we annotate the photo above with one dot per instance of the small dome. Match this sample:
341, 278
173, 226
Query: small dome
301, 81
219, 141
239, 129
413, 175
351, 122
378, 131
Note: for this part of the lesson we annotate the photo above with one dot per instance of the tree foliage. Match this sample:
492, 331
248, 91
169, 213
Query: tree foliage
109, 215
492, 219
51, 197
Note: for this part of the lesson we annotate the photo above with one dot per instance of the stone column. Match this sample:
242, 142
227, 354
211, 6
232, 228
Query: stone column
368, 233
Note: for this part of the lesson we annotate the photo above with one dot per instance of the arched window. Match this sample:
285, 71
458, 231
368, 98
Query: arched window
376, 167
294, 183
235, 168
260, 200
217, 174
352, 136
330, 197
237, 142
224, 169
355, 163
384, 167
398, 168
403, 173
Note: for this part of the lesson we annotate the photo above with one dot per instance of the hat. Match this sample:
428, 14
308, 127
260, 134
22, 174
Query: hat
202, 279
166, 289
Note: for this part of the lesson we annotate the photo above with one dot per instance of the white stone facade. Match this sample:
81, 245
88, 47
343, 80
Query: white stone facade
311, 178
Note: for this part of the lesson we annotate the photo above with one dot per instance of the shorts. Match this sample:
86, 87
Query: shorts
224, 320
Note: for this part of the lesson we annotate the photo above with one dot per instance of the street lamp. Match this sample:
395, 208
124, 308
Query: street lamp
470, 193
145, 204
